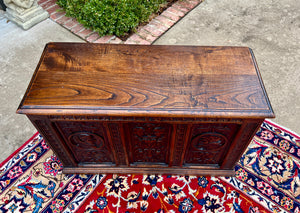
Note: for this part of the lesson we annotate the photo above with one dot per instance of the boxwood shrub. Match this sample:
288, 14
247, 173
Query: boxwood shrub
111, 17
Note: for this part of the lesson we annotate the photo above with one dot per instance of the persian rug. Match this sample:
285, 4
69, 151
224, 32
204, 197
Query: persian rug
266, 180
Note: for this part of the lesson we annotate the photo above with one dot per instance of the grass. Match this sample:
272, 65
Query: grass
112, 17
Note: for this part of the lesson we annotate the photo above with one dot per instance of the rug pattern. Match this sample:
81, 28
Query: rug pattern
266, 180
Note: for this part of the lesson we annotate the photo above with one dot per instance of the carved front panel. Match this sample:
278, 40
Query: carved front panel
87, 141
149, 143
209, 143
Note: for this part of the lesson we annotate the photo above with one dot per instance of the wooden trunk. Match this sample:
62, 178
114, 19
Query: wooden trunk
146, 109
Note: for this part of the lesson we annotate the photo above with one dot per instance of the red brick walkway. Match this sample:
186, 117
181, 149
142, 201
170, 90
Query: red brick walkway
144, 35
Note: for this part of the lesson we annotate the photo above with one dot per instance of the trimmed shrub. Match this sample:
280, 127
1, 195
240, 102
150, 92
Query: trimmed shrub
111, 17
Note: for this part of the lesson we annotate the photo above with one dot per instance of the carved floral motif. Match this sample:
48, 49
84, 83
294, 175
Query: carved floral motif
150, 142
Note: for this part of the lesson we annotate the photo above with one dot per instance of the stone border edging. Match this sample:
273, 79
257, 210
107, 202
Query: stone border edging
145, 35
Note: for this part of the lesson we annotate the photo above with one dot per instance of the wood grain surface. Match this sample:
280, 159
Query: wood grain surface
136, 80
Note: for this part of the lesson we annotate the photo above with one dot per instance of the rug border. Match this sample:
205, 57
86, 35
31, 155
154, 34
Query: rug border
18, 150
250, 196
283, 127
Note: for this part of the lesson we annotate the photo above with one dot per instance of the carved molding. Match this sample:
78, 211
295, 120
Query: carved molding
179, 144
142, 119
114, 130
92, 156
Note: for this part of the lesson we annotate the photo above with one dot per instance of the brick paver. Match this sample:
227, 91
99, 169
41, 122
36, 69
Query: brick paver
115, 41
70, 24
62, 20
165, 21
105, 39
160, 26
180, 8
57, 15
175, 11
137, 40
77, 28
93, 37
187, 4
144, 35
154, 30
171, 16
53, 9
84, 33
41, 2
48, 4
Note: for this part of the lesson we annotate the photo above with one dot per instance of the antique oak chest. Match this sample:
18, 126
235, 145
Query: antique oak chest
146, 109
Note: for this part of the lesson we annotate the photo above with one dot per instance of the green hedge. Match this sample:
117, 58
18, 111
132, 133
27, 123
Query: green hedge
111, 17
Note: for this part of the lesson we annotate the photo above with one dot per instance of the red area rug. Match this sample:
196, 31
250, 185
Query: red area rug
267, 180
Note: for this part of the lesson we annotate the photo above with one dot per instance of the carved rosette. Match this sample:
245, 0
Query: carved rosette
209, 142
86, 140
205, 147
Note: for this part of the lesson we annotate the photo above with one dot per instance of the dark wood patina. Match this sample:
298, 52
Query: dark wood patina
146, 109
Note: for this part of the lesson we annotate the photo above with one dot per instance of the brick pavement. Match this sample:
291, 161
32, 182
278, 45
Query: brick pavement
144, 35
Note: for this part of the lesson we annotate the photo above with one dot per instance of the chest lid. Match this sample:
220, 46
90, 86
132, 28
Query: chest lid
144, 80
